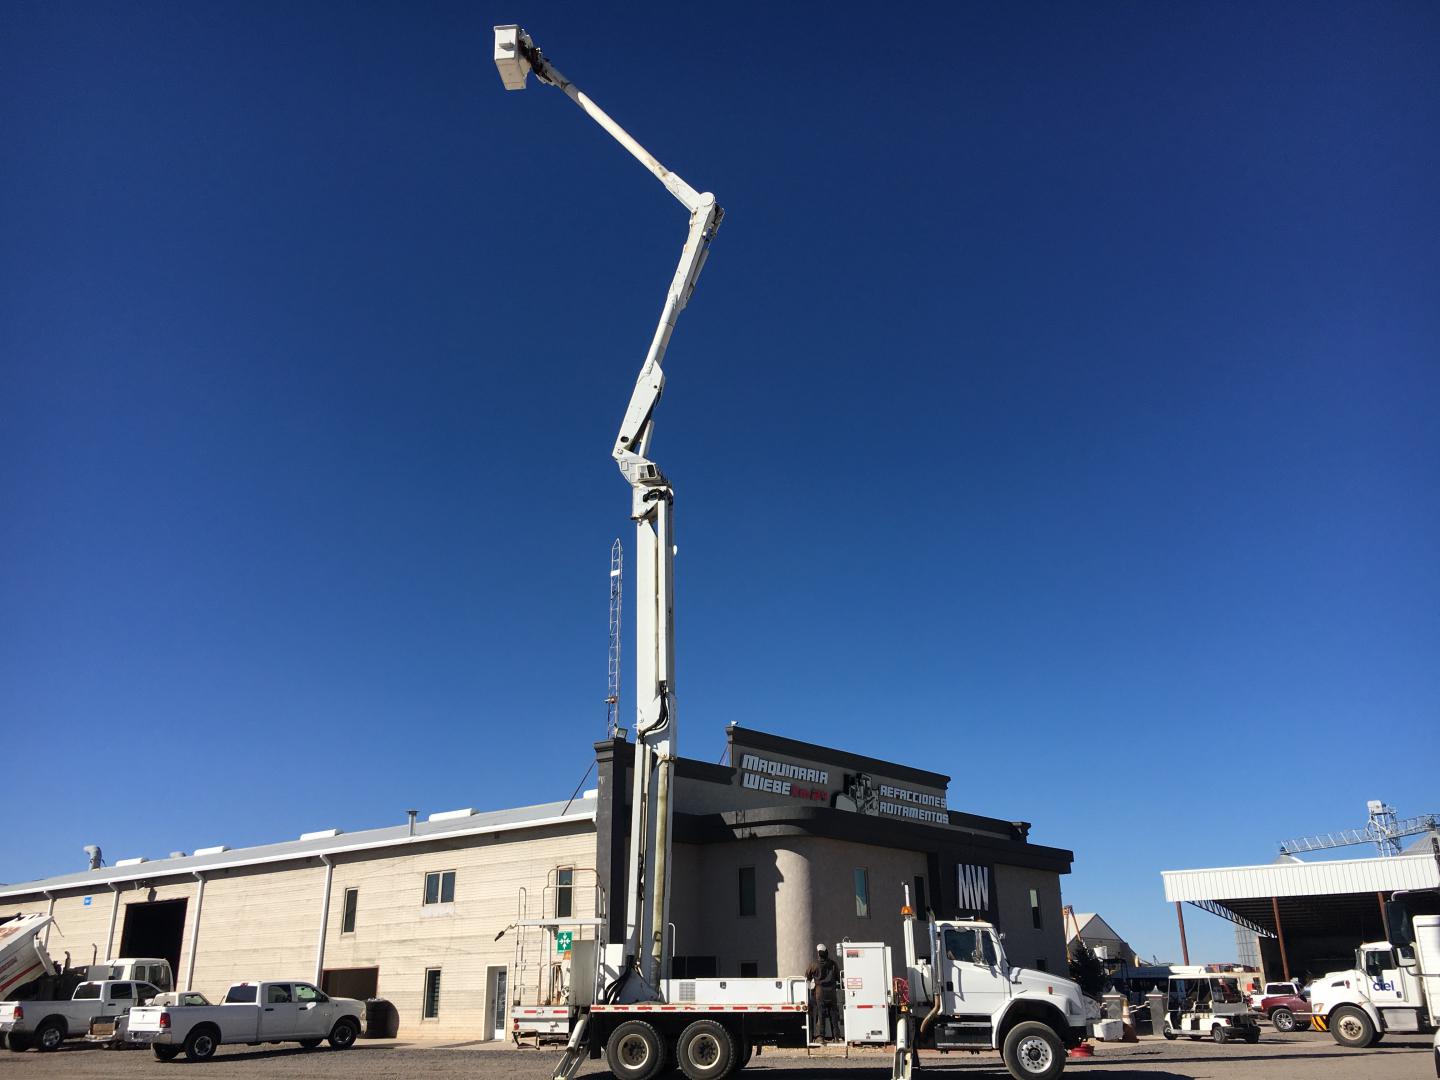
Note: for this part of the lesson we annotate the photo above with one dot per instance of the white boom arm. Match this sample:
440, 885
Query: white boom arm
647, 905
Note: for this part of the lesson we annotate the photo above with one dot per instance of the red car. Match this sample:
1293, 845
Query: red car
1288, 1012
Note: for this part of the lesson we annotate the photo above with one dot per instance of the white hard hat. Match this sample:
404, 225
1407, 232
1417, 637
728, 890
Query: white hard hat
821, 947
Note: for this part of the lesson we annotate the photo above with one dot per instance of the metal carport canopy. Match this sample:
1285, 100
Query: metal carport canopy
1305, 892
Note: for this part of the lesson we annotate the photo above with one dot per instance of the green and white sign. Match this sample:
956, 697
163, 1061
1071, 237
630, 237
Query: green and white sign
563, 940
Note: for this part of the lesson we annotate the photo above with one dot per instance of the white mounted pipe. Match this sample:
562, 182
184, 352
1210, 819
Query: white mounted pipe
114, 915
51, 912
324, 917
195, 931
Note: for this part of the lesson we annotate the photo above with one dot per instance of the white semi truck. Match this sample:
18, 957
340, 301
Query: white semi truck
622, 1002
1393, 987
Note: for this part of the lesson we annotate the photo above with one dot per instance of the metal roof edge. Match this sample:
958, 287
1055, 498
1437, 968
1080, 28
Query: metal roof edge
154, 870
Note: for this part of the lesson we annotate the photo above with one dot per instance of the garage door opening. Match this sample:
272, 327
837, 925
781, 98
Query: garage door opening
154, 929
359, 983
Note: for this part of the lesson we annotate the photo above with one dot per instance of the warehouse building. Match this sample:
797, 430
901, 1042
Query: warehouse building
788, 845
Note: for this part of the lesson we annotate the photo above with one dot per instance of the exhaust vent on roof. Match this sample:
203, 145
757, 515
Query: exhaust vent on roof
131, 862
319, 834
177, 854
450, 815
216, 850
590, 793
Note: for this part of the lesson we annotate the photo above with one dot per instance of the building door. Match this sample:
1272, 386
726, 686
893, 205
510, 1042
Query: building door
153, 929
496, 989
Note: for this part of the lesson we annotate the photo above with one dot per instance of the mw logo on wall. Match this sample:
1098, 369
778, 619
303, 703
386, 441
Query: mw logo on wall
973, 887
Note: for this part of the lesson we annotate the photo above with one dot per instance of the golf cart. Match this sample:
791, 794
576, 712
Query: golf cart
1208, 1003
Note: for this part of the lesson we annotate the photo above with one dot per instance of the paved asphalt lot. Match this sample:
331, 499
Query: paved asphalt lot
1299, 1056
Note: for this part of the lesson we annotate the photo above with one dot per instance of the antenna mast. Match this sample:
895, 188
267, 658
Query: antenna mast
617, 603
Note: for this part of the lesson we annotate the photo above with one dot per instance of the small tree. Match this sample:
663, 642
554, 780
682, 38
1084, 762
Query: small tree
1087, 970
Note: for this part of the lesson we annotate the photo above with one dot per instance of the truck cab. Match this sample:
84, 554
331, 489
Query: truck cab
1394, 986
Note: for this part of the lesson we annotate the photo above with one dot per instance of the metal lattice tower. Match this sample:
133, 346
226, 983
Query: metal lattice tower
617, 603
1384, 830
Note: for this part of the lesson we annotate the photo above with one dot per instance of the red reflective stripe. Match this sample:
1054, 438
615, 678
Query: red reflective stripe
864, 1006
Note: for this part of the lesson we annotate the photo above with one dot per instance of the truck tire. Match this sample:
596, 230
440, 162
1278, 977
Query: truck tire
201, 1043
310, 1044
706, 1051
747, 1051
1351, 1027
17, 1042
1283, 1019
49, 1035
344, 1034
1032, 1050
635, 1051
164, 1051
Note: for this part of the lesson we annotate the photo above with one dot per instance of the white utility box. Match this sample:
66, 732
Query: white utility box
865, 983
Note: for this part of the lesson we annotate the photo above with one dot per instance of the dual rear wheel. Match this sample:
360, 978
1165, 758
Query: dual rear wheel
705, 1050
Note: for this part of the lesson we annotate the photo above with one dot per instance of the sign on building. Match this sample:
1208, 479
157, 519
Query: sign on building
563, 941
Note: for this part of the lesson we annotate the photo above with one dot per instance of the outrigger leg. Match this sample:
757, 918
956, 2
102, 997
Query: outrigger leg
574, 1052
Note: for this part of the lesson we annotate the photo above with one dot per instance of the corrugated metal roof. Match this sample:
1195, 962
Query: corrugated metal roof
494, 821
1329, 878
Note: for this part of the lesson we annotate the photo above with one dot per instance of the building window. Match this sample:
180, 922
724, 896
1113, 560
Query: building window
747, 891
917, 901
749, 969
440, 888
1040, 964
862, 892
430, 1007
347, 920
1035, 910
564, 893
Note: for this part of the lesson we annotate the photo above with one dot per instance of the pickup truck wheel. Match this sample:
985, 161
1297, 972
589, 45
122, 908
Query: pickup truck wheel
200, 1044
17, 1043
343, 1034
49, 1035
635, 1051
706, 1050
310, 1044
1034, 1051
164, 1052
1351, 1027
1283, 1019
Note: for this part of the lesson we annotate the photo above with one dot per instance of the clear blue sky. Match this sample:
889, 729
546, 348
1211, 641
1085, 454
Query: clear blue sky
1057, 411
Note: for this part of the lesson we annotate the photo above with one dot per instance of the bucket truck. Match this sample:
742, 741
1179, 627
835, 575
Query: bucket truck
623, 1004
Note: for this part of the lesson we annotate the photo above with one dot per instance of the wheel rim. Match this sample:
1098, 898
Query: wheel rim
50, 1038
203, 1046
1034, 1054
345, 1036
1350, 1027
704, 1051
634, 1051
1284, 1021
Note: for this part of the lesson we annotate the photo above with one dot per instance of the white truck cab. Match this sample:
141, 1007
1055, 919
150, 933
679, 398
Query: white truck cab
1394, 986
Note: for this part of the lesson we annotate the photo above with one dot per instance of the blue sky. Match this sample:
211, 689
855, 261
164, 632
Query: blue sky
1056, 411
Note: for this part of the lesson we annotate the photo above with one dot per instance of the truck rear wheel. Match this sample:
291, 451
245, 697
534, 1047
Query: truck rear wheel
200, 1044
706, 1050
17, 1043
49, 1035
1283, 1019
1351, 1027
634, 1051
164, 1051
1032, 1050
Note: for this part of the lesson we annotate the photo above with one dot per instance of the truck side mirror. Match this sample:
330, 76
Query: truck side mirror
1406, 958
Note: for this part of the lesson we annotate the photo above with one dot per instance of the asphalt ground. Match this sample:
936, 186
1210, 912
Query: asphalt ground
1276, 1057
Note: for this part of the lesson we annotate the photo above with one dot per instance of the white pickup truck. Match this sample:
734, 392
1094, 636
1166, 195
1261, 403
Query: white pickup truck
251, 1013
46, 1024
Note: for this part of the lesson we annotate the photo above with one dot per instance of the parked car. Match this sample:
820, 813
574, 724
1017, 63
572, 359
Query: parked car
1294, 988
251, 1013
1288, 1012
46, 1024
